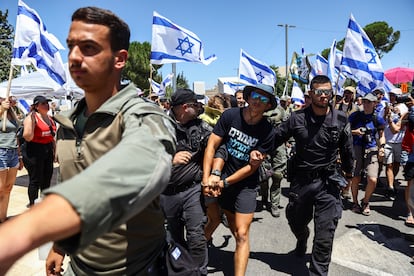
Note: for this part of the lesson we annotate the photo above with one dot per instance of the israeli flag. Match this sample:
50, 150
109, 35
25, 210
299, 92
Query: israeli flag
360, 60
233, 87
34, 45
155, 86
165, 83
159, 89
331, 63
172, 43
297, 94
338, 58
320, 66
254, 71
23, 105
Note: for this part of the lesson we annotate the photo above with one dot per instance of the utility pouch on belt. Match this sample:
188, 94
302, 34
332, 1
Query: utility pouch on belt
337, 179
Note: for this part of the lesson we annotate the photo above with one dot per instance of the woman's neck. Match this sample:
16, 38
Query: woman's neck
251, 117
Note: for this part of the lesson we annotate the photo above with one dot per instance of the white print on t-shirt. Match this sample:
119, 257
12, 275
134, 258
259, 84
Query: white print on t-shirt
240, 144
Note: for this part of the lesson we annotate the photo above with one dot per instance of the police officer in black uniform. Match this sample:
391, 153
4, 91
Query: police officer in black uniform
319, 132
181, 200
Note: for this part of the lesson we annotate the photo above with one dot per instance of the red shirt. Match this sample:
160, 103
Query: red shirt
42, 133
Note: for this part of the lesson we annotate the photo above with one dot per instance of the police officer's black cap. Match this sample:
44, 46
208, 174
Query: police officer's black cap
182, 96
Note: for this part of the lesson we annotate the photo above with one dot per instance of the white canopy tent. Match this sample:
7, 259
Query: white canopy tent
32, 84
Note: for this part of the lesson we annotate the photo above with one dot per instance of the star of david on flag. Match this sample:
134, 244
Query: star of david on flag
172, 43
254, 71
360, 60
33, 44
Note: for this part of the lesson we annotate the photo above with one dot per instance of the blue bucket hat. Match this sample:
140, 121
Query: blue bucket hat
263, 87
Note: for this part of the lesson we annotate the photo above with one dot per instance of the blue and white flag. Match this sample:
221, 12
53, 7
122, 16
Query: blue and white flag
360, 60
297, 96
155, 86
338, 58
33, 44
23, 105
233, 87
331, 63
166, 82
254, 71
159, 89
320, 67
172, 43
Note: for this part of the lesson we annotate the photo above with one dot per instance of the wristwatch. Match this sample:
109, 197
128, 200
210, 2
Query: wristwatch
216, 172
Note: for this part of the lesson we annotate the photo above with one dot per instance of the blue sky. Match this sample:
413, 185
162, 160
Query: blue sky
226, 26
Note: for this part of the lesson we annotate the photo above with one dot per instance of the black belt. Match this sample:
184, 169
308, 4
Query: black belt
318, 173
175, 189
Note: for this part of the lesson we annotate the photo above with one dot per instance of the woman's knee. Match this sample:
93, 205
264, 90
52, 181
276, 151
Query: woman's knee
242, 235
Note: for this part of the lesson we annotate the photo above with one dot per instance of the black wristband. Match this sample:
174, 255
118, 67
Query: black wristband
225, 183
348, 175
216, 172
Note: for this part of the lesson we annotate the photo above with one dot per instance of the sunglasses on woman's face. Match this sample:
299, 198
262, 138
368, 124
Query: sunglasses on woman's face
255, 96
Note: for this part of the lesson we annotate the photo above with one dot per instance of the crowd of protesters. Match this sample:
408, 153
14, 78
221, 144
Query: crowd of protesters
376, 129
382, 138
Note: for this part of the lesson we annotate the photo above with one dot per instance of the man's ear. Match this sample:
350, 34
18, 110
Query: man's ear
121, 58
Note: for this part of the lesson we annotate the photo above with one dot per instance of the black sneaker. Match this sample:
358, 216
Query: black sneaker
391, 194
301, 246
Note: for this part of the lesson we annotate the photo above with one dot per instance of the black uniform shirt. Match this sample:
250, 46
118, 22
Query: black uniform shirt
318, 139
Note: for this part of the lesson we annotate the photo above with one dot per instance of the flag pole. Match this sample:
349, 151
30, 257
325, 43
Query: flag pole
7, 96
174, 80
336, 88
150, 85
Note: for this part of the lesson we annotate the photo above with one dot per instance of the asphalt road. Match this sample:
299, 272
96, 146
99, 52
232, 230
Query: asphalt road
379, 244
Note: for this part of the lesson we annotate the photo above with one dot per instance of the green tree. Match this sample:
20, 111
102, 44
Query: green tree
137, 68
6, 39
280, 81
182, 81
381, 35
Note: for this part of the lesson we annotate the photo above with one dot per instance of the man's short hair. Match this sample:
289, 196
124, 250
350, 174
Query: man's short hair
118, 30
319, 79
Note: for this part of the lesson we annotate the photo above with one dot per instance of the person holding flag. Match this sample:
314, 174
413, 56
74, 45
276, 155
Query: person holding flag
10, 156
